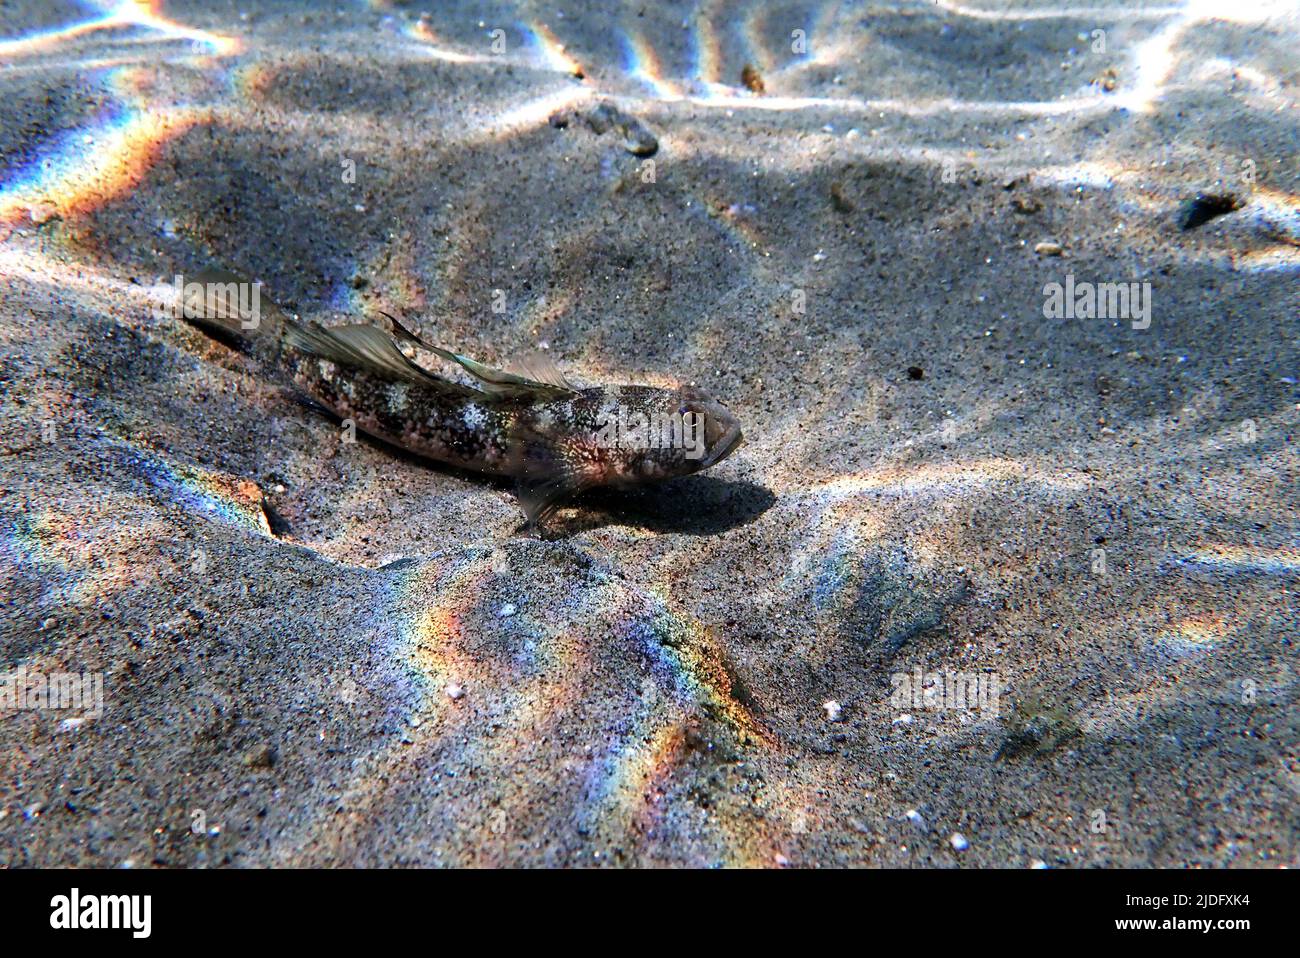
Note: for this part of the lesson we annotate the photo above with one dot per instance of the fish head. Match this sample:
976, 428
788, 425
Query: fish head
615, 436
645, 433
716, 426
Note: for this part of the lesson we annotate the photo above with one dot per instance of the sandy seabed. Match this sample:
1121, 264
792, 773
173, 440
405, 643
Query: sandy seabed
317, 652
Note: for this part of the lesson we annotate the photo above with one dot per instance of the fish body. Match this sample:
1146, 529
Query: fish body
533, 426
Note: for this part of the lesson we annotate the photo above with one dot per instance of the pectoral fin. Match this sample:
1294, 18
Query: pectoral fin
545, 474
541, 500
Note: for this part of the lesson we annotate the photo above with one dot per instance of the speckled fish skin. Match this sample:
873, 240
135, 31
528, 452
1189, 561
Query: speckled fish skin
445, 424
520, 439
551, 437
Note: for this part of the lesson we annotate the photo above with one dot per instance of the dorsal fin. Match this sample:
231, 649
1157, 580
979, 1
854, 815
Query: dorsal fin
219, 299
399, 331
539, 377
501, 382
540, 368
364, 346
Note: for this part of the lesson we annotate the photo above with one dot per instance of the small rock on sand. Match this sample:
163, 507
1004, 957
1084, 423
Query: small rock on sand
260, 756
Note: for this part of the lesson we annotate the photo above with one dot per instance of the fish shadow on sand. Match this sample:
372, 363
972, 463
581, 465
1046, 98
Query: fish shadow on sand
693, 505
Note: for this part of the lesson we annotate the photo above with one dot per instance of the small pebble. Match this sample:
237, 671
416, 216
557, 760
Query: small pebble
1049, 249
260, 756
637, 138
507, 610
902, 720
958, 842
1204, 207
833, 710
1108, 79
602, 117
454, 691
915, 818
42, 213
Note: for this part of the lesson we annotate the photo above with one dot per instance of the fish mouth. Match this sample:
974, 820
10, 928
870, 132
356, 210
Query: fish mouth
722, 434
724, 446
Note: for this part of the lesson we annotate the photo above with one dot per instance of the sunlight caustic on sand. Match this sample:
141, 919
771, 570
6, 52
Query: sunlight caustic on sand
126, 14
